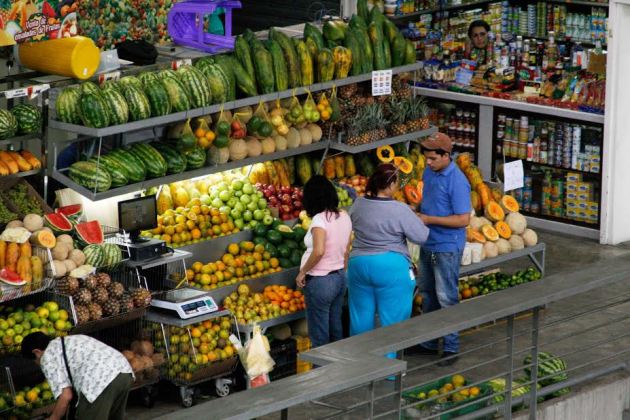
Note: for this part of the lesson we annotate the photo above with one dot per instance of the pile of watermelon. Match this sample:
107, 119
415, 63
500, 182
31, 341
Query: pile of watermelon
20, 120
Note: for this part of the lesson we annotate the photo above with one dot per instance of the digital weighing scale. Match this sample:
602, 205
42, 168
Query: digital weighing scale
188, 303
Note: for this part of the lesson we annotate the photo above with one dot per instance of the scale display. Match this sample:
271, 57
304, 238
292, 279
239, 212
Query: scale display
187, 303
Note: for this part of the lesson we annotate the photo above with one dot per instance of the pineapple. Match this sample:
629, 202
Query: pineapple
401, 88
111, 308
398, 110
126, 303
116, 290
357, 129
349, 91
67, 285
96, 312
376, 122
141, 297
104, 280
83, 314
90, 282
82, 297
100, 295
418, 115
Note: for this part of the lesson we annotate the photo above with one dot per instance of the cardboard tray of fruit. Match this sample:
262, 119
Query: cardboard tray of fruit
213, 370
7, 183
426, 408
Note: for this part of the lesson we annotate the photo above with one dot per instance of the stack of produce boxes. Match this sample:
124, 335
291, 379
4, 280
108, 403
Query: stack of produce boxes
581, 204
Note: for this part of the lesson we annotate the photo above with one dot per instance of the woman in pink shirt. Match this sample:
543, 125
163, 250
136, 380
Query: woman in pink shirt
322, 272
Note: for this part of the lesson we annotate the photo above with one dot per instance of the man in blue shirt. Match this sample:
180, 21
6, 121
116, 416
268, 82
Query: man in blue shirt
445, 209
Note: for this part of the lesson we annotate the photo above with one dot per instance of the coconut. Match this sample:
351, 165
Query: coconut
77, 256
70, 265
158, 359
145, 348
147, 362
33, 222
136, 364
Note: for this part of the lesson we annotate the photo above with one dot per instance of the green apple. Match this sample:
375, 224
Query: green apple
262, 204
232, 202
267, 220
260, 194
239, 223
217, 202
237, 185
205, 199
235, 214
248, 188
238, 193
245, 199
239, 206
248, 216
252, 206
253, 224
225, 209
225, 195
258, 214
254, 198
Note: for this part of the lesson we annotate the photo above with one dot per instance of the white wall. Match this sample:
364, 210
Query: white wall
615, 227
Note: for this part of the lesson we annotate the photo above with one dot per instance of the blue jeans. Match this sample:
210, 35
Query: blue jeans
323, 296
439, 286
382, 284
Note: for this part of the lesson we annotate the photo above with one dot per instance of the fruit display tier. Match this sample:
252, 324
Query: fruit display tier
343, 147
535, 253
10, 292
149, 123
109, 322
20, 139
61, 175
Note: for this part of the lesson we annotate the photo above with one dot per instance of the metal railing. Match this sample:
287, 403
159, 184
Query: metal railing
580, 317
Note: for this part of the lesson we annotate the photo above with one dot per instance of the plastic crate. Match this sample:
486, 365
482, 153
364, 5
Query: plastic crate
431, 408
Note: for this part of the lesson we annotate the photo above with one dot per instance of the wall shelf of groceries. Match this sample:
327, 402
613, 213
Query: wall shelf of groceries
540, 97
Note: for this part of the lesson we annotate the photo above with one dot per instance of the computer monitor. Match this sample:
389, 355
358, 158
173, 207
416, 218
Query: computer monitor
136, 215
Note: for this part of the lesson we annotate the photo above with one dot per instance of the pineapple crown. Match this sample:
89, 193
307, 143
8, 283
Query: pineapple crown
398, 110
368, 118
418, 108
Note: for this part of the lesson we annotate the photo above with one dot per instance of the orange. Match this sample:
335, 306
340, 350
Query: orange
210, 136
466, 293
274, 262
195, 332
200, 132
190, 274
474, 391
297, 294
196, 233
166, 238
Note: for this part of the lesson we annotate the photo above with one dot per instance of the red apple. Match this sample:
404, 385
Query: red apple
285, 208
296, 213
286, 199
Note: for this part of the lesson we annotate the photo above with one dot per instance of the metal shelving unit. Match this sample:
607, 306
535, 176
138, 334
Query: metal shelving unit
20, 139
342, 147
535, 253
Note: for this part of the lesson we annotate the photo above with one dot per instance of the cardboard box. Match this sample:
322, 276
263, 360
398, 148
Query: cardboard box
574, 177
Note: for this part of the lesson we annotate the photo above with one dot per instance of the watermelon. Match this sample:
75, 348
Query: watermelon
217, 80
110, 84
176, 163
136, 171
89, 175
118, 177
158, 98
116, 170
94, 110
196, 86
116, 106
126, 81
195, 158
177, 95
147, 76
139, 107
89, 87
67, 106
548, 365
152, 159
8, 124
72, 212
112, 254
9, 277
93, 255
89, 233
58, 223
168, 74
28, 117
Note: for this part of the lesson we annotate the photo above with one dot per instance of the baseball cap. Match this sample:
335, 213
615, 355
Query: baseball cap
438, 141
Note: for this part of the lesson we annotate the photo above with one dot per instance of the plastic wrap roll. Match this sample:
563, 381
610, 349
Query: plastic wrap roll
76, 57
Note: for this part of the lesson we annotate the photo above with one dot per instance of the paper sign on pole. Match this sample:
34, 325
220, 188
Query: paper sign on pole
382, 82
513, 175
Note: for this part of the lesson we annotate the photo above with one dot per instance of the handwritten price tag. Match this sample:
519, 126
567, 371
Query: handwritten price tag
382, 82
26, 92
102, 78
175, 64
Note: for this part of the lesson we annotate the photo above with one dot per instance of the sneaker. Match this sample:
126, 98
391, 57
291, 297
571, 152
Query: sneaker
447, 359
419, 350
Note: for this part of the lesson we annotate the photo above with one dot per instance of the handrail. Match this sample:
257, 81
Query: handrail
346, 360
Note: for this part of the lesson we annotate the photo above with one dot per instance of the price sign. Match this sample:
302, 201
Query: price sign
513, 175
26, 92
382, 82
114, 75
175, 64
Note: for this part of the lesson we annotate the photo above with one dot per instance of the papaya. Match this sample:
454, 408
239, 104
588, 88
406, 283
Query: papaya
351, 43
390, 30
325, 65
312, 48
316, 165
3, 251
37, 269
335, 30
306, 64
274, 179
340, 166
263, 65
375, 32
290, 163
313, 33
329, 168
362, 10
279, 65
242, 79
283, 177
387, 53
290, 56
410, 52
398, 46
304, 170
365, 165
244, 55
25, 249
23, 267
377, 16
358, 22
367, 50
350, 168
11, 257
342, 58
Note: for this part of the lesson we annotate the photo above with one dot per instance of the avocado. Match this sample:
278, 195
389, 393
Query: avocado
274, 237
284, 251
285, 263
276, 223
271, 249
259, 240
296, 257
285, 231
290, 243
260, 230
299, 233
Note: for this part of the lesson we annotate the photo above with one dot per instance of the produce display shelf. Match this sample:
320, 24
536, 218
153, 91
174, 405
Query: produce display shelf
511, 105
109, 322
177, 255
249, 328
19, 139
213, 249
212, 371
182, 116
403, 17
342, 147
174, 321
8, 293
60, 175
530, 252
559, 168
22, 174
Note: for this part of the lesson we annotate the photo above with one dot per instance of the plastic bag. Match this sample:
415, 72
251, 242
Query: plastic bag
335, 112
277, 119
296, 113
311, 114
255, 356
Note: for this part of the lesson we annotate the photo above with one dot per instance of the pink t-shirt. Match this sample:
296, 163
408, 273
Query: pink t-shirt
338, 229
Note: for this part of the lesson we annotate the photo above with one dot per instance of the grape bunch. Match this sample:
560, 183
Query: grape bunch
25, 204
6, 215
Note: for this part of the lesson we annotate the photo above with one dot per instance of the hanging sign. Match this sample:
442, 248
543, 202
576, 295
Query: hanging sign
26, 92
382, 82
513, 175
26, 21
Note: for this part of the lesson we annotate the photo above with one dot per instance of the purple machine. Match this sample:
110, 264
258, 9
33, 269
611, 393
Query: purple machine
186, 24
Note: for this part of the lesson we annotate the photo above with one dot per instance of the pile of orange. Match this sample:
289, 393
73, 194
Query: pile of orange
204, 137
285, 298
243, 261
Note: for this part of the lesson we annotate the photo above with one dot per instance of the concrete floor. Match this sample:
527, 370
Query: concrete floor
573, 338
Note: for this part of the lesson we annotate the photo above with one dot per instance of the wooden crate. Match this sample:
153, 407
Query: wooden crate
8, 183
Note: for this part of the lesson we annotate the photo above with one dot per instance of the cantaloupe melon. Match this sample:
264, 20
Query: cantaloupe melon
503, 246
490, 232
516, 242
490, 249
268, 145
316, 132
516, 222
494, 212
33, 222
503, 229
306, 137
281, 142
530, 238
293, 138
509, 204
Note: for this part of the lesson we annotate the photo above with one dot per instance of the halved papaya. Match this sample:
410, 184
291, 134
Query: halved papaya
474, 236
385, 153
509, 204
490, 232
494, 212
403, 164
413, 194
503, 229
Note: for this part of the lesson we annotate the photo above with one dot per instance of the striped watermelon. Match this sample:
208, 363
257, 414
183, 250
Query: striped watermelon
93, 255
158, 98
136, 171
112, 254
196, 85
118, 177
130, 81
174, 160
195, 158
177, 95
168, 74
148, 76
67, 106
28, 117
8, 124
73, 211
94, 110
217, 80
139, 107
89, 87
89, 233
117, 106
58, 223
152, 159
110, 84
548, 364
90, 176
